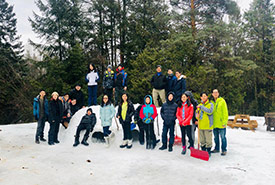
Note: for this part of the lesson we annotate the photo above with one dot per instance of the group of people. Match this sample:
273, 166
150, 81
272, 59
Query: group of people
178, 104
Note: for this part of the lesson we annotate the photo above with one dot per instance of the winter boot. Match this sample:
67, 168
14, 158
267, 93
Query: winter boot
112, 135
84, 141
163, 147
223, 153
124, 144
37, 140
209, 151
76, 141
183, 150
129, 144
170, 148
107, 141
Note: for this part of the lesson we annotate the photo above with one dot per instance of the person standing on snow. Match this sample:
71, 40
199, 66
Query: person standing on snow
109, 82
92, 78
194, 119
184, 115
78, 95
148, 113
158, 82
180, 86
107, 112
220, 115
87, 123
120, 83
171, 80
125, 112
168, 114
40, 113
55, 116
204, 115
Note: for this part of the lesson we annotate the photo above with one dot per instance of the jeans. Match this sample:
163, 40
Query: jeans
165, 129
106, 131
220, 132
92, 95
40, 128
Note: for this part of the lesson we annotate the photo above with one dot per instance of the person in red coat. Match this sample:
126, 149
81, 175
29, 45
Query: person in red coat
148, 113
184, 115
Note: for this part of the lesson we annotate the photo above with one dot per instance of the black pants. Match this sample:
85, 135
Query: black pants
40, 128
186, 130
165, 129
81, 127
109, 93
53, 132
150, 133
127, 133
141, 131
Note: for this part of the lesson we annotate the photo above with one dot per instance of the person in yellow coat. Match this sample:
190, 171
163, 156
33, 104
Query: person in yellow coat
220, 116
204, 115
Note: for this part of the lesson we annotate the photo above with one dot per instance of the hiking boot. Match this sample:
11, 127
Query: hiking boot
124, 144
51, 143
56, 141
163, 147
215, 151
223, 153
37, 141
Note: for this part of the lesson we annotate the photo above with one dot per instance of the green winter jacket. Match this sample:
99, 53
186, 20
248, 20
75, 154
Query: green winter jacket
106, 115
205, 116
220, 113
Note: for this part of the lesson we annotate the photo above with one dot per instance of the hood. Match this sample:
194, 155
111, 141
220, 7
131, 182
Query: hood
173, 100
150, 99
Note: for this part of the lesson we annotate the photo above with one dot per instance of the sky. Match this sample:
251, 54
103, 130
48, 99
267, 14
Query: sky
25, 8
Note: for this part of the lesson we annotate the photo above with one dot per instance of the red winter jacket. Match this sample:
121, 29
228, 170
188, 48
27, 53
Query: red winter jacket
188, 112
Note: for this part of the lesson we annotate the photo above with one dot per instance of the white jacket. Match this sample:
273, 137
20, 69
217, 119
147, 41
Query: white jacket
92, 78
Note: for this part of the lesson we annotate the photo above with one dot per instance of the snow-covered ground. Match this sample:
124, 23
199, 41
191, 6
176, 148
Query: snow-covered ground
250, 159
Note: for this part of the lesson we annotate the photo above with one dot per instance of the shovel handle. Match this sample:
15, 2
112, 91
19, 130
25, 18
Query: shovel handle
198, 138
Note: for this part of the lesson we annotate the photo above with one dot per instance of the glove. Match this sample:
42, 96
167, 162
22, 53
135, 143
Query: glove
144, 120
133, 125
148, 120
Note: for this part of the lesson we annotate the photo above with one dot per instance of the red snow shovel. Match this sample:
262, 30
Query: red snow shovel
197, 153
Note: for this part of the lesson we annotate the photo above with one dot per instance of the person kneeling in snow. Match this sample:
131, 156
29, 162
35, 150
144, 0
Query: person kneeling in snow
87, 123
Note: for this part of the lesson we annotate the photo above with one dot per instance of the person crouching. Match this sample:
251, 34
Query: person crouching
87, 123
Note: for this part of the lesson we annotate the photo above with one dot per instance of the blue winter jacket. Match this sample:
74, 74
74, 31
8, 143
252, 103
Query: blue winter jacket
107, 112
179, 88
168, 111
36, 107
171, 80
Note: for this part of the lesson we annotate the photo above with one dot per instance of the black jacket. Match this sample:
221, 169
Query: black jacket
168, 111
179, 88
86, 120
159, 81
74, 109
55, 111
130, 112
79, 96
109, 80
136, 116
